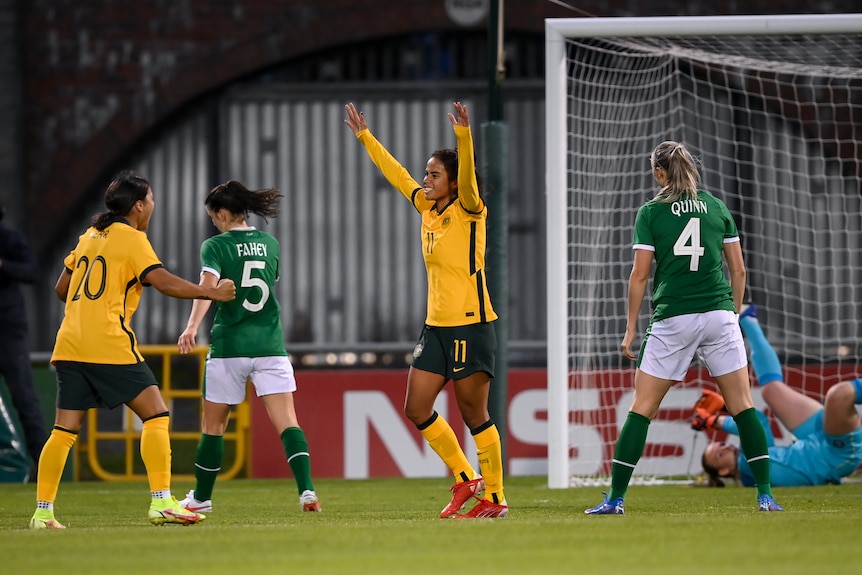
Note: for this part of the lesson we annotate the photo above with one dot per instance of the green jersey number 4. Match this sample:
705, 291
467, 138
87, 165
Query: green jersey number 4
688, 244
248, 281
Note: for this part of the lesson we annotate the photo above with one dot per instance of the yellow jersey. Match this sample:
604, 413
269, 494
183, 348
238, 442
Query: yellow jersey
453, 239
108, 269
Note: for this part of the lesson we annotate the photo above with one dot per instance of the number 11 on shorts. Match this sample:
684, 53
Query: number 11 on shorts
460, 351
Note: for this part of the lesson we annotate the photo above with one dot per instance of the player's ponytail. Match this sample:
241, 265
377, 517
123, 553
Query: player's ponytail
237, 199
120, 197
681, 168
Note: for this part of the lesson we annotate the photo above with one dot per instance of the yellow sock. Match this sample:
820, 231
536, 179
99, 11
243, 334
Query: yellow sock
52, 461
442, 440
156, 452
490, 454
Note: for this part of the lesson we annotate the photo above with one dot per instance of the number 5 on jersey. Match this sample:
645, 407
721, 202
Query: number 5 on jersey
249, 281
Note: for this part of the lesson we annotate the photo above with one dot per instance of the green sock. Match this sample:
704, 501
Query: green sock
629, 448
296, 450
207, 465
752, 439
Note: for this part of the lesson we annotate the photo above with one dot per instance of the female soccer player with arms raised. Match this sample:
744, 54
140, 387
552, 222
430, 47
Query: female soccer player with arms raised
458, 341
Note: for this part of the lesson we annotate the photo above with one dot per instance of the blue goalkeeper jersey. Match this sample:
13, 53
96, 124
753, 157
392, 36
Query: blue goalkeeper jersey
813, 459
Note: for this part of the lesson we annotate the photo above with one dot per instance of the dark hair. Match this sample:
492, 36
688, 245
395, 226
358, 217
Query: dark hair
449, 158
681, 168
237, 199
713, 478
120, 197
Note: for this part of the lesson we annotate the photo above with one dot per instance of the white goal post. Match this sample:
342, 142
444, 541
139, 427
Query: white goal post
772, 106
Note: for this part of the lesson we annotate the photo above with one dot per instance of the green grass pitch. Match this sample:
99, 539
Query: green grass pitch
391, 526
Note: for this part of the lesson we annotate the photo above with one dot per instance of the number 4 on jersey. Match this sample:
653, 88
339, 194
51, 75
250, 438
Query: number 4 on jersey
688, 244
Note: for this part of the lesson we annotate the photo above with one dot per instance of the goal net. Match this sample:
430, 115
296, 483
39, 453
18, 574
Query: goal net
772, 106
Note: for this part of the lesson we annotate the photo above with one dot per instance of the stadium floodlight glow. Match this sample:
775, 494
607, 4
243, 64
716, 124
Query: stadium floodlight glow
772, 105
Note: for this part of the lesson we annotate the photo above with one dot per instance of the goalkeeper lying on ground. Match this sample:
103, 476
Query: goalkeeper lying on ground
828, 442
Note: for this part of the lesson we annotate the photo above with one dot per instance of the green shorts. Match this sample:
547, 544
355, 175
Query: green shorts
81, 386
456, 352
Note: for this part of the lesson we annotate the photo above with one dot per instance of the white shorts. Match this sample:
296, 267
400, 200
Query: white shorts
714, 337
225, 378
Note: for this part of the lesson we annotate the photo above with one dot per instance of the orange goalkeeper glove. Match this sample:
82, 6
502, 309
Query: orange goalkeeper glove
703, 419
709, 401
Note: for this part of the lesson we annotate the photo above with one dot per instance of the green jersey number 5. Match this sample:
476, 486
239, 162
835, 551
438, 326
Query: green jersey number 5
248, 281
688, 244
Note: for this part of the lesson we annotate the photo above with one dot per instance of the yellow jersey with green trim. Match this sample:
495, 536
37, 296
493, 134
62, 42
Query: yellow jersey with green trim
453, 237
108, 270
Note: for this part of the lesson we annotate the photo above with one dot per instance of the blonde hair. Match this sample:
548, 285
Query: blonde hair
681, 168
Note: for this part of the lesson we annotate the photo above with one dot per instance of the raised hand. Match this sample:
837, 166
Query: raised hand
355, 119
461, 117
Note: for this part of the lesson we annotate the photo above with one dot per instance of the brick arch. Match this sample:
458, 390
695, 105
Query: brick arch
139, 80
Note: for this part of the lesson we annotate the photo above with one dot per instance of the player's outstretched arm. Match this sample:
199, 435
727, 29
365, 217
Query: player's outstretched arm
177, 287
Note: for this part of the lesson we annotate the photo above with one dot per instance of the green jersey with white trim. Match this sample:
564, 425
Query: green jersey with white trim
687, 238
250, 325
